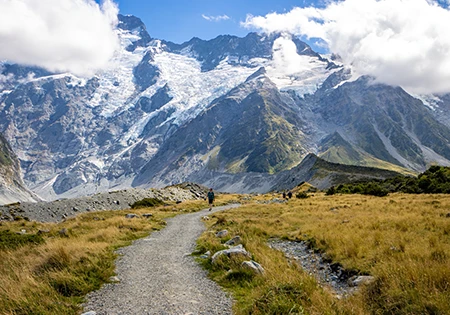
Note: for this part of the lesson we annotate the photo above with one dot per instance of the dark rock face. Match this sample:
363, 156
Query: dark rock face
158, 100
145, 74
12, 188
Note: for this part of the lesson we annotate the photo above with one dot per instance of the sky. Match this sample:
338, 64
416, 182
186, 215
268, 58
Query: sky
398, 42
180, 20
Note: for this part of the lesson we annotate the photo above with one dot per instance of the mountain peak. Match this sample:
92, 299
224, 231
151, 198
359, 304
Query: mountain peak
134, 24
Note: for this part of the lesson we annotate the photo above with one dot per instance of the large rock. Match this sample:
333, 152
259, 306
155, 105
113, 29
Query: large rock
222, 233
253, 266
234, 241
236, 251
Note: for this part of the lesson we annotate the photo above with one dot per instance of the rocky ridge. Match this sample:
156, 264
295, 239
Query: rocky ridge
115, 200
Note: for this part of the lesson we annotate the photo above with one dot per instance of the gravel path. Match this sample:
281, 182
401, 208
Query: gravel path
158, 276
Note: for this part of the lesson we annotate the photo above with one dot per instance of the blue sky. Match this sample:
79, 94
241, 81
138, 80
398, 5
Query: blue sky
180, 20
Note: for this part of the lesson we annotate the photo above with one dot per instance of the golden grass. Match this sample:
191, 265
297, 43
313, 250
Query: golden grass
402, 240
54, 277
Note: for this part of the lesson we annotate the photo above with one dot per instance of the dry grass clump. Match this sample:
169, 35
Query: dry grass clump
75, 257
401, 240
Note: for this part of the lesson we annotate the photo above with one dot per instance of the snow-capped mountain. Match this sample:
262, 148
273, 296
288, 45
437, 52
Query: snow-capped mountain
164, 113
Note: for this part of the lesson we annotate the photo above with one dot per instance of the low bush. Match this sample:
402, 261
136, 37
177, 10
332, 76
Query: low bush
11, 240
147, 203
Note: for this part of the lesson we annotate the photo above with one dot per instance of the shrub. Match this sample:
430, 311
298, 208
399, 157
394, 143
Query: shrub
11, 240
147, 203
302, 195
331, 191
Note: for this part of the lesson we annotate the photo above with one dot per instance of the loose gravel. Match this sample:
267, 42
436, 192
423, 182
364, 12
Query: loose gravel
59, 210
328, 274
158, 275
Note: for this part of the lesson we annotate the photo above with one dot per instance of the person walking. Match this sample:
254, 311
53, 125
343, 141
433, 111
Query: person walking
210, 198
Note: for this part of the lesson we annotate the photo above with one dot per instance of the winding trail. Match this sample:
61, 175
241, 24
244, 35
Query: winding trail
159, 276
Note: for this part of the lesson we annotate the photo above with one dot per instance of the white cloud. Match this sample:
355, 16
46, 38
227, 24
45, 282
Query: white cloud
74, 36
217, 18
400, 42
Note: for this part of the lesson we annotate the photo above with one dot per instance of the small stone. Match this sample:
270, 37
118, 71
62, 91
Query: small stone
222, 233
117, 202
114, 279
147, 215
179, 201
234, 241
346, 221
448, 215
40, 232
253, 266
359, 280
206, 255
131, 216
90, 313
96, 219
206, 218
75, 209
64, 232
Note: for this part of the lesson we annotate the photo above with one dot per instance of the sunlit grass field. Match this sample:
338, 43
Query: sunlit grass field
51, 272
402, 240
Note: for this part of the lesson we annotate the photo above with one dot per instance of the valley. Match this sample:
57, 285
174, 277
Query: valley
401, 240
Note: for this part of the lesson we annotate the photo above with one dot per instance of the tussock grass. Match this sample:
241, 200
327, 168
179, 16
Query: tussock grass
401, 240
51, 272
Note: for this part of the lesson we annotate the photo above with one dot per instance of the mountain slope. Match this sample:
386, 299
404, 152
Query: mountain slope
250, 129
164, 113
12, 188
385, 122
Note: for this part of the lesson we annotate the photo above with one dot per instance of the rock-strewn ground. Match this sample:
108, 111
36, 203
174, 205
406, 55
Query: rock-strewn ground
116, 200
157, 275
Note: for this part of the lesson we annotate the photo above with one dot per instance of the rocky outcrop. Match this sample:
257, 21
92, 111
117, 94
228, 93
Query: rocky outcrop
236, 251
12, 188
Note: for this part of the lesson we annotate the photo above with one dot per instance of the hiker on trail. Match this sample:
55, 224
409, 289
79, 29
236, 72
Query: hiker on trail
210, 198
289, 194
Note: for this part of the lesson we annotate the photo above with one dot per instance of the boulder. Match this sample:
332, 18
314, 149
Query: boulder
235, 251
222, 233
147, 215
90, 313
234, 241
253, 266
206, 255
359, 280
131, 216
64, 232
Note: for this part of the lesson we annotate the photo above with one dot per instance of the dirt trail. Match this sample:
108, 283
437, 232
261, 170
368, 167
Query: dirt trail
158, 276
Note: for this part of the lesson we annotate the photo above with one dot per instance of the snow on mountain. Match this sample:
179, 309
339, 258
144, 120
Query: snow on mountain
83, 135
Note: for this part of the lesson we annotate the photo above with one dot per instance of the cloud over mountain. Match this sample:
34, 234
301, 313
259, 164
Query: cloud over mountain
74, 36
400, 42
